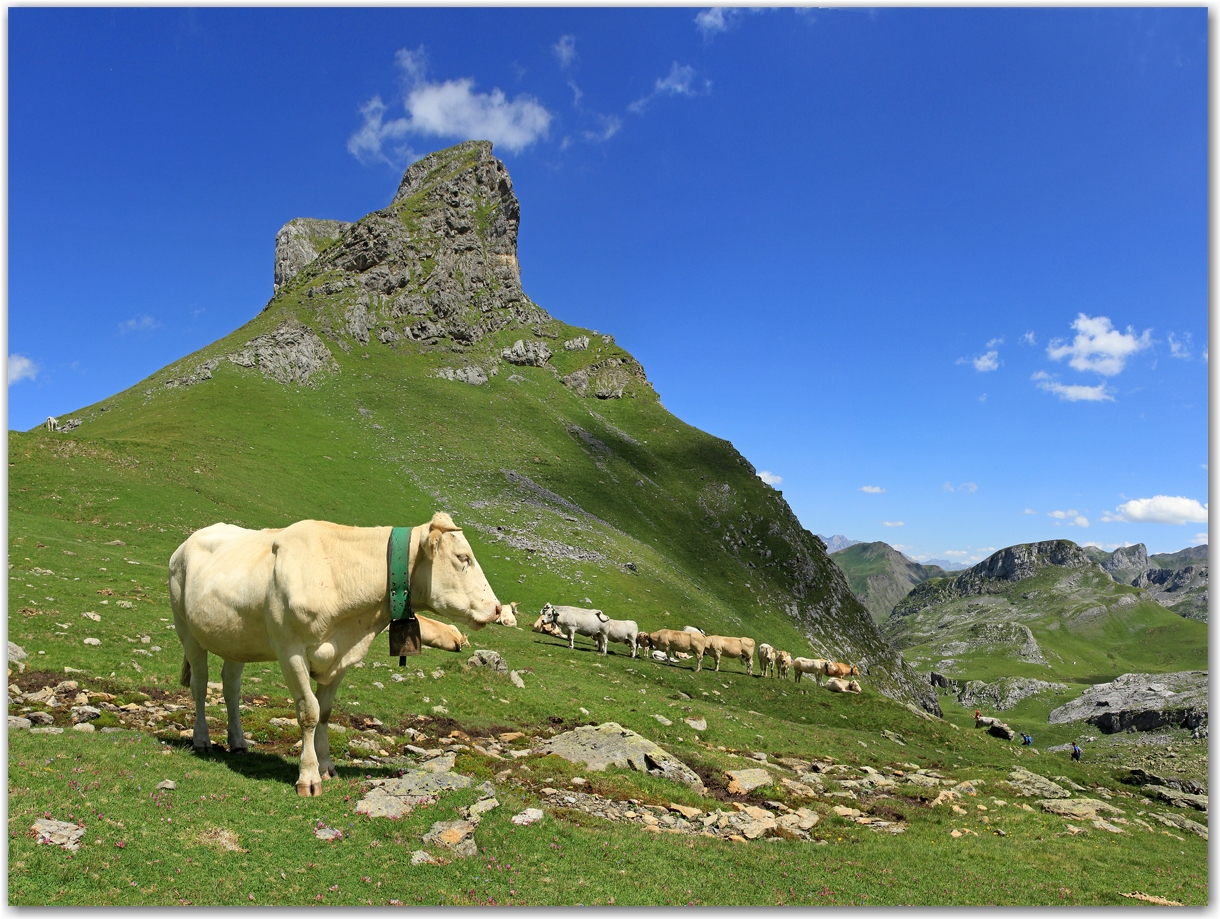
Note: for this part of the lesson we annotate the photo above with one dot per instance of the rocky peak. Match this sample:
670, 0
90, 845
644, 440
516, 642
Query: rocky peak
1127, 558
440, 262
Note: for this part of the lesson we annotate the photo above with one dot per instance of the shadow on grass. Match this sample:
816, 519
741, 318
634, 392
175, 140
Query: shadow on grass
278, 767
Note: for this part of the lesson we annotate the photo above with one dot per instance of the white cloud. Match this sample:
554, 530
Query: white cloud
988, 361
771, 478
1074, 392
1098, 346
680, 81
20, 368
1180, 347
872, 489
1028, 339
1201, 538
1159, 509
994, 342
718, 19
948, 486
449, 109
952, 553
565, 49
1080, 522
1029, 510
143, 324
968, 487
892, 523
1062, 515
983, 397
577, 93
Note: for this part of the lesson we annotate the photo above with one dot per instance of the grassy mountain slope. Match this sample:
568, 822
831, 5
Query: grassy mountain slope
1053, 615
333, 403
880, 575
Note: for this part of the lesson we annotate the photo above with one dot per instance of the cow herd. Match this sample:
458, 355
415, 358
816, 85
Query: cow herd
314, 595
566, 622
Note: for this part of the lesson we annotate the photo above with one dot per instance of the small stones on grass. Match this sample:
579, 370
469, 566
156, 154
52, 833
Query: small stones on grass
93, 641
58, 833
167, 785
283, 723
84, 727
663, 720
697, 724
420, 857
454, 835
327, 833
17, 723
517, 681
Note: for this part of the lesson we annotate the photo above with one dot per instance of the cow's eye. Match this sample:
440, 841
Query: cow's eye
464, 559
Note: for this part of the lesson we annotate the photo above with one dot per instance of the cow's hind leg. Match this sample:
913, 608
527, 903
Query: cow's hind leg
296, 674
230, 675
197, 658
321, 737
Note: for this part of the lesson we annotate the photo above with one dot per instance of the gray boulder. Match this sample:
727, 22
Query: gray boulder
527, 354
1175, 797
611, 744
490, 659
1032, 785
1140, 702
400, 796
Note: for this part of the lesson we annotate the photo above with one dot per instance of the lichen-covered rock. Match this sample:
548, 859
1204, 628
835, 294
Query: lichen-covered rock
743, 781
298, 243
455, 836
1175, 797
489, 659
290, 353
400, 796
1079, 808
1032, 785
58, 833
611, 744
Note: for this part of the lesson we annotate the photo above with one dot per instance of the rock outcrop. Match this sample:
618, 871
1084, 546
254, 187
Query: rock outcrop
298, 243
1004, 693
1140, 702
611, 744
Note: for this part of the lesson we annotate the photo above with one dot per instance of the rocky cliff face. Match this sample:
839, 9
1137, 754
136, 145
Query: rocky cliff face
298, 243
1178, 580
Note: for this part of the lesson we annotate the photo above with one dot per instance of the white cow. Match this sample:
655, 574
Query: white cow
624, 630
574, 619
312, 596
52, 424
766, 659
508, 616
814, 666
834, 684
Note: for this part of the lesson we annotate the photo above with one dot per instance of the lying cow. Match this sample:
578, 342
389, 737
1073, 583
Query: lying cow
814, 666
732, 648
784, 660
766, 658
508, 616
834, 684
671, 641
571, 620
835, 669
441, 635
547, 628
694, 628
313, 596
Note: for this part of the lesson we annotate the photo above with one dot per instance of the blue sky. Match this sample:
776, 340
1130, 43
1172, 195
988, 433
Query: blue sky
941, 274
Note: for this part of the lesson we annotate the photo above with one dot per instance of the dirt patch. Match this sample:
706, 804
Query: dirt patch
717, 785
220, 838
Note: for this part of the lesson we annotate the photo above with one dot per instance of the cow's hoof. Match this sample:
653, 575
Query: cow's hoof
238, 750
309, 789
204, 749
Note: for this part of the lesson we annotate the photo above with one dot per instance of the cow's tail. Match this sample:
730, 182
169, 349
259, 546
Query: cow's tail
185, 678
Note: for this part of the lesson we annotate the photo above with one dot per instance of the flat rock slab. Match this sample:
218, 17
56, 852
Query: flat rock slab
456, 836
16, 723
398, 797
439, 764
1080, 808
743, 781
696, 724
528, 816
662, 720
327, 833
1143, 701
58, 833
1032, 785
1181, 822
1175, 797
611, 744
476, 811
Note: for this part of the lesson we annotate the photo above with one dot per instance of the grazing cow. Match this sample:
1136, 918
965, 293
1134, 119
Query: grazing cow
835, 669
671, 641
834, 684
547, 628
441, 635
766, 658
52, 424
574, 619
623, 630
508, 616
784, 660
814, 666
733, 648
312, 596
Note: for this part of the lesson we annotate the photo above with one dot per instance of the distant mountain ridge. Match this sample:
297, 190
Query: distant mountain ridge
880, 575
1039, 607
1176, 580
835, 543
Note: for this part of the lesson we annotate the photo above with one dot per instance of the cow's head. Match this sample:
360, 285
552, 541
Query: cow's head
549, 614
854, 686
447, 578
641, 640
855, 670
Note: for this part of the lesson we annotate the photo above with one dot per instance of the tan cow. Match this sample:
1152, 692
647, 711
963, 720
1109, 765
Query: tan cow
671, 640
835, 669
784, 660
732, 648
834, 684
814, 666
312, 596
508, 616
766, 658
441, 635
547, 628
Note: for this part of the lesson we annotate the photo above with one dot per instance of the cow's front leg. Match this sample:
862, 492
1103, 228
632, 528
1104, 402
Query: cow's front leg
717, 663
296, 674
321, 737
572, 638
230, 675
